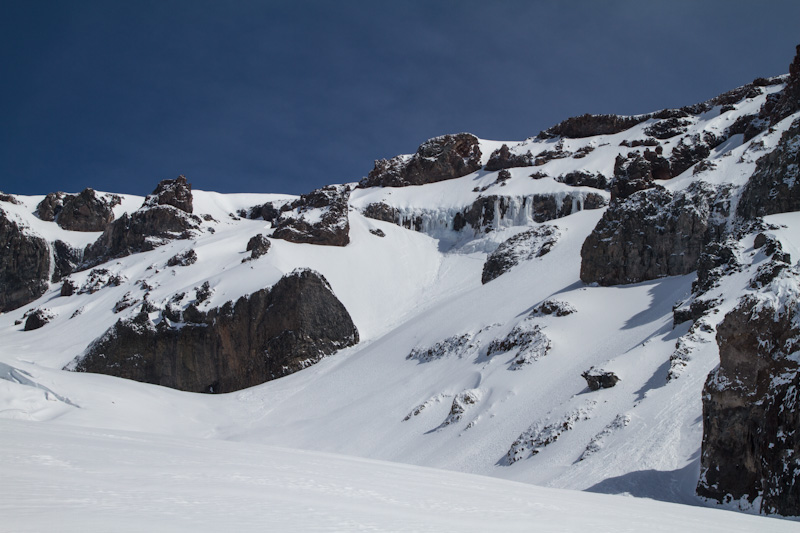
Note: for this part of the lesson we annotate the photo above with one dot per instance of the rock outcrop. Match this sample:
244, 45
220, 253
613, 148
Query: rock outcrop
775, 185
651, 234
438, 159
66, 258
502, 158
319, 217
177, 193
86, 211
597, 379
521, 247
258, 245
269, 334
164, 216
24, 265
751, 412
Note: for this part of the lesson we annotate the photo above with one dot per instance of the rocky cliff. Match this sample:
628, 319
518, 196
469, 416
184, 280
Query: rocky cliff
260, 337
24, 265
751, 413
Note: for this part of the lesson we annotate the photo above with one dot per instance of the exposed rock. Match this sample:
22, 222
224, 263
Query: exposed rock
100, 278
553, 307
582, 178
775, 185
24, 265
50, 206
527, 340
377, 232
68, 288
598, 379
66, 259
10, 198
381, 211
462, 402
786, 102
716, 260
185, 258
455, 346
631, 174
319, 217
177, 193
438, 159
86, 211
543, 433
524, 246
269, 334
651, 234
267, 211
751, 446
591, 125
691, 150
667, 128
258, 245
141, 231
127, 301
502, 158
38, 319
490, 211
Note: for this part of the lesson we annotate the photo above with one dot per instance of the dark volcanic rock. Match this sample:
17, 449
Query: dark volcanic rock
667, 128
599, 379
438, 159
141, 231
177, 193
66, 259
269, 334
751, 413
581, 178
10, 198
189, 257
591, 125
24, 265
631, 174
268, 212
86, 211
68, 288
651, 234
524, 246
775, 185
319, 217
258, 245
502, 158
38, 319
50, 206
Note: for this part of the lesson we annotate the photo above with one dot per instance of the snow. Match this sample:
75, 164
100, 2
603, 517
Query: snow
92, 452
74, 479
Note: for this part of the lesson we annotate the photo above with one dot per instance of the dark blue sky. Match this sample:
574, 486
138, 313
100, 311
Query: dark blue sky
287, 96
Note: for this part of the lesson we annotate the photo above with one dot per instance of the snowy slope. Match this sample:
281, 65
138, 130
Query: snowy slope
72, 479
426, 386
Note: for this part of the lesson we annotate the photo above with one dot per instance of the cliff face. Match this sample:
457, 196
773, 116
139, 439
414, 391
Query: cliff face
260, 337
751, 413
24, 265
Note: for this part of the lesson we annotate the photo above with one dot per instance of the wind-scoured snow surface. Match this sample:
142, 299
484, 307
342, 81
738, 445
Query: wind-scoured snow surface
68, 479
450, 374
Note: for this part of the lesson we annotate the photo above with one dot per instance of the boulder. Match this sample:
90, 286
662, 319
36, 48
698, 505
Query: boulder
598, 379
260, 337
38, 319
24, 265
258, 245
438, 159
50, 206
